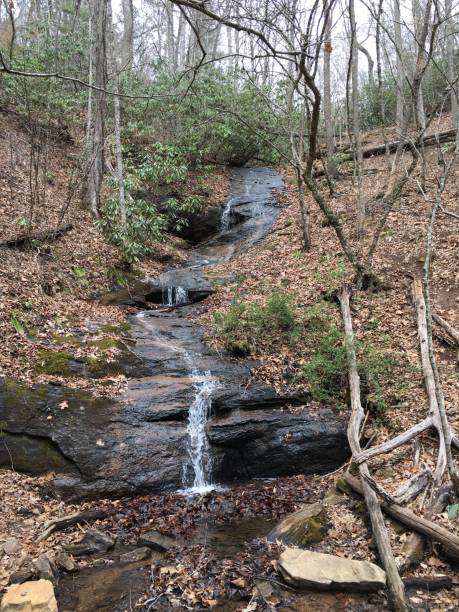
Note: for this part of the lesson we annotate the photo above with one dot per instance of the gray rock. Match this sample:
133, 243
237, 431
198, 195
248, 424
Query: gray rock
138, 554
44, 568
65, 562
306, 526
11, 546
155, 540
92, 542
21, 575
306, 569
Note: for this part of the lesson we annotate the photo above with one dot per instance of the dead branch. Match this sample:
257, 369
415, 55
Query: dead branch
25, 239
58, 524
395, 585
395, 442
428, 583
448, 540
447, 327
411, 489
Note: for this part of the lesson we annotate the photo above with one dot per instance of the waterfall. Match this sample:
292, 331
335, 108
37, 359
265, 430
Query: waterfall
225, 220
199, 461
175, 296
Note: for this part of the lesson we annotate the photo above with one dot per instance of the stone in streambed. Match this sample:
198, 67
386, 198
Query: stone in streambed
306, 569
65, 562
44, 568
306, 526
133, 556
93, 541
155, 540
36, 596
11, 546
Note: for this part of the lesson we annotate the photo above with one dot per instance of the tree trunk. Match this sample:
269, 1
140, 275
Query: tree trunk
357, 140
400, 77
450, 34
96, 162
117, 116
127, 45
328, 119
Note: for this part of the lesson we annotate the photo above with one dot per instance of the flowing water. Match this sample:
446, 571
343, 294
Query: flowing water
225, 221
196, 474
175, 296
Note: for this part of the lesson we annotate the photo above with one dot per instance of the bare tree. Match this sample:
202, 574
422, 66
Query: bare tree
328, 117
127, 46
97, 136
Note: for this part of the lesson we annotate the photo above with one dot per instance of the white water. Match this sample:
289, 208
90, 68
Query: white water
199, 459
175, 296
226, 215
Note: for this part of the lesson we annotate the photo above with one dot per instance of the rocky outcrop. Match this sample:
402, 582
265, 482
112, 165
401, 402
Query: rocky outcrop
307, 569
138, 444
35, 596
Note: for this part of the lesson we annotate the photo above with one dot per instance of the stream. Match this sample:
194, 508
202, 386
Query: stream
190, 418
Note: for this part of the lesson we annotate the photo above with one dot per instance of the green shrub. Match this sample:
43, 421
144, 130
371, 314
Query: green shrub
246, 324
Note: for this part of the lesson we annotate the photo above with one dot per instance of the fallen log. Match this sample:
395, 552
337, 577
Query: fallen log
58, 524
391, 147
394, 582
37, 236
448, 540
447, 327
428, 583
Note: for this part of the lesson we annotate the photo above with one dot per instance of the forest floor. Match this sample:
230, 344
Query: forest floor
48, 297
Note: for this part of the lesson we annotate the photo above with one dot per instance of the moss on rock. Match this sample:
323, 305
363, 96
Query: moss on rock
54, 363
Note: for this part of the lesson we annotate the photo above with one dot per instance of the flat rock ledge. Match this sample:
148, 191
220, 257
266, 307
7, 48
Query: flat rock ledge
34, 596
307, 569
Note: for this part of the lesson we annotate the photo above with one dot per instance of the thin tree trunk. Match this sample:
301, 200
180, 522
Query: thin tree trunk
400, 77
96, 168
356, 121
117, 116
328, 119
127, 45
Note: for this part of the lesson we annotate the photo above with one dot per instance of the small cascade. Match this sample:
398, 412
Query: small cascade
175, 296
227, 213
199, 466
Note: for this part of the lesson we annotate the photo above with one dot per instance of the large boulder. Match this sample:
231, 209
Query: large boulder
35, 596
307, 569
306, 526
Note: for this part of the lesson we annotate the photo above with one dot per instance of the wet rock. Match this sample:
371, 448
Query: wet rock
36, 596
307, 526
11, 546
65, 562
44, 568
156, 541
133, 556
21, 575
264, 443
307, 569
92, 542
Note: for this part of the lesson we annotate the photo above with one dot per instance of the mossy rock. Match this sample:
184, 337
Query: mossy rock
67, 339
54, 363
105, 344
118, 329
307, 526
